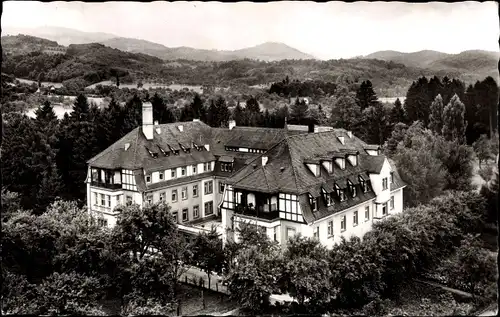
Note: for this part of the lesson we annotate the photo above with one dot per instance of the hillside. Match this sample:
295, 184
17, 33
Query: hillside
471, 64
267, 52
86, 64
21, 44
64, 36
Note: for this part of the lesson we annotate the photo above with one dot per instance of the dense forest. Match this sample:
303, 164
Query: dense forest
86, 64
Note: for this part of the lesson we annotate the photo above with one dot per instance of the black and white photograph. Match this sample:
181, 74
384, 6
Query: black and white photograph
279, 158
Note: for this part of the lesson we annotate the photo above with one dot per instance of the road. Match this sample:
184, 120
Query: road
193, 275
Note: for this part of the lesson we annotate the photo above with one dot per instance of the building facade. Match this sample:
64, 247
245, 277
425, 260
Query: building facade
319, 182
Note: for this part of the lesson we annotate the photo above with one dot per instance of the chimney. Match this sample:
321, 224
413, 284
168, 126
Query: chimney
349, 134
207, 146
158, 130
147, 120
264, 160
196, 120
156, 122
181, 128
127, 145
232, 124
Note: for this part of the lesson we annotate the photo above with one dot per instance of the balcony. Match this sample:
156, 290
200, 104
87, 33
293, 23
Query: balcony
106, 185
266, 211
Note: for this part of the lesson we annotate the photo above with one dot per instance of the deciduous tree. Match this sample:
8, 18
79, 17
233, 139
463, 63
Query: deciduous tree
454, 123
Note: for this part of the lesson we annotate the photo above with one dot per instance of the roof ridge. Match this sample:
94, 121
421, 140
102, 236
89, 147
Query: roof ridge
291, 164
111, 147
136, 147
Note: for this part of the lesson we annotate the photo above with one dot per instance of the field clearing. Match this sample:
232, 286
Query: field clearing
44, 83
391, 99
197, 89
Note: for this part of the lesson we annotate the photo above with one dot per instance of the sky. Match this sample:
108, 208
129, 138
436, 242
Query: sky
325, 30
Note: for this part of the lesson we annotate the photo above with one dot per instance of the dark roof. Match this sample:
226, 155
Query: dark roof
256, 138
397, 180
286, 171
137, 155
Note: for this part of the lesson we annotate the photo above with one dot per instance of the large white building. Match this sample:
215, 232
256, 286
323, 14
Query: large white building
324, 183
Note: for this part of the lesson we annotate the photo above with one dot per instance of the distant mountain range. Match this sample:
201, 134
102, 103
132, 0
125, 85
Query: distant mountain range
269, 51
483, 63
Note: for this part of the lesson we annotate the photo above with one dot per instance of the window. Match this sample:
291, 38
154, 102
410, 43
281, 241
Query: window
185, 216
129, 200
96, 199
149, 198
118, 199
176, 218
196, 211
148, 178
316, 233
194, 169
103, 200
207, 167
340, 193
384, 209
172, 173
330, 228
128, 180
275, 233
108, 200
290, 232
163, 195
355, 218
364, 184
392, 177
221, 188
209, 208
313, 202
392, 202
160, 176
342, 224
184, 193
209, 187
384, 183
174, 195
102, 222
328, 197
226, 167
352, 188
289, 207
183, 171
195, 190
367, 213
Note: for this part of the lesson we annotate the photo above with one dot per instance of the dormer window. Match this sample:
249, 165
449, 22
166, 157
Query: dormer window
226, 167
186, 150
341, 139
313, 202
364, 184
163, 151
183, 171
153, 154
340, 162
353, 159
340, 193
314, 168
391, 179
328, 166
328, 197
160, 175
352, 188
148, 178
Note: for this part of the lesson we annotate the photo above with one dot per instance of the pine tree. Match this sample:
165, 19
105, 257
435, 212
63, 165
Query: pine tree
252, 105
80, 108
397, 113
299, 111
454, 123
222, 112
366, 95
436, 115
376, 125
45, 114
239, 115
418, 101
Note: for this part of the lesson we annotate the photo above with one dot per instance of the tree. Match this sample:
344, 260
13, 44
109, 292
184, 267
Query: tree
482, 148
346, 113
397, 113
418, 101
45, 115
454, 123
252, 105
80, 109
208, 253
307, 273
299, 111
418, 166
436, 115
366, 96
472, 266
397, 135
376, 125
151, 231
